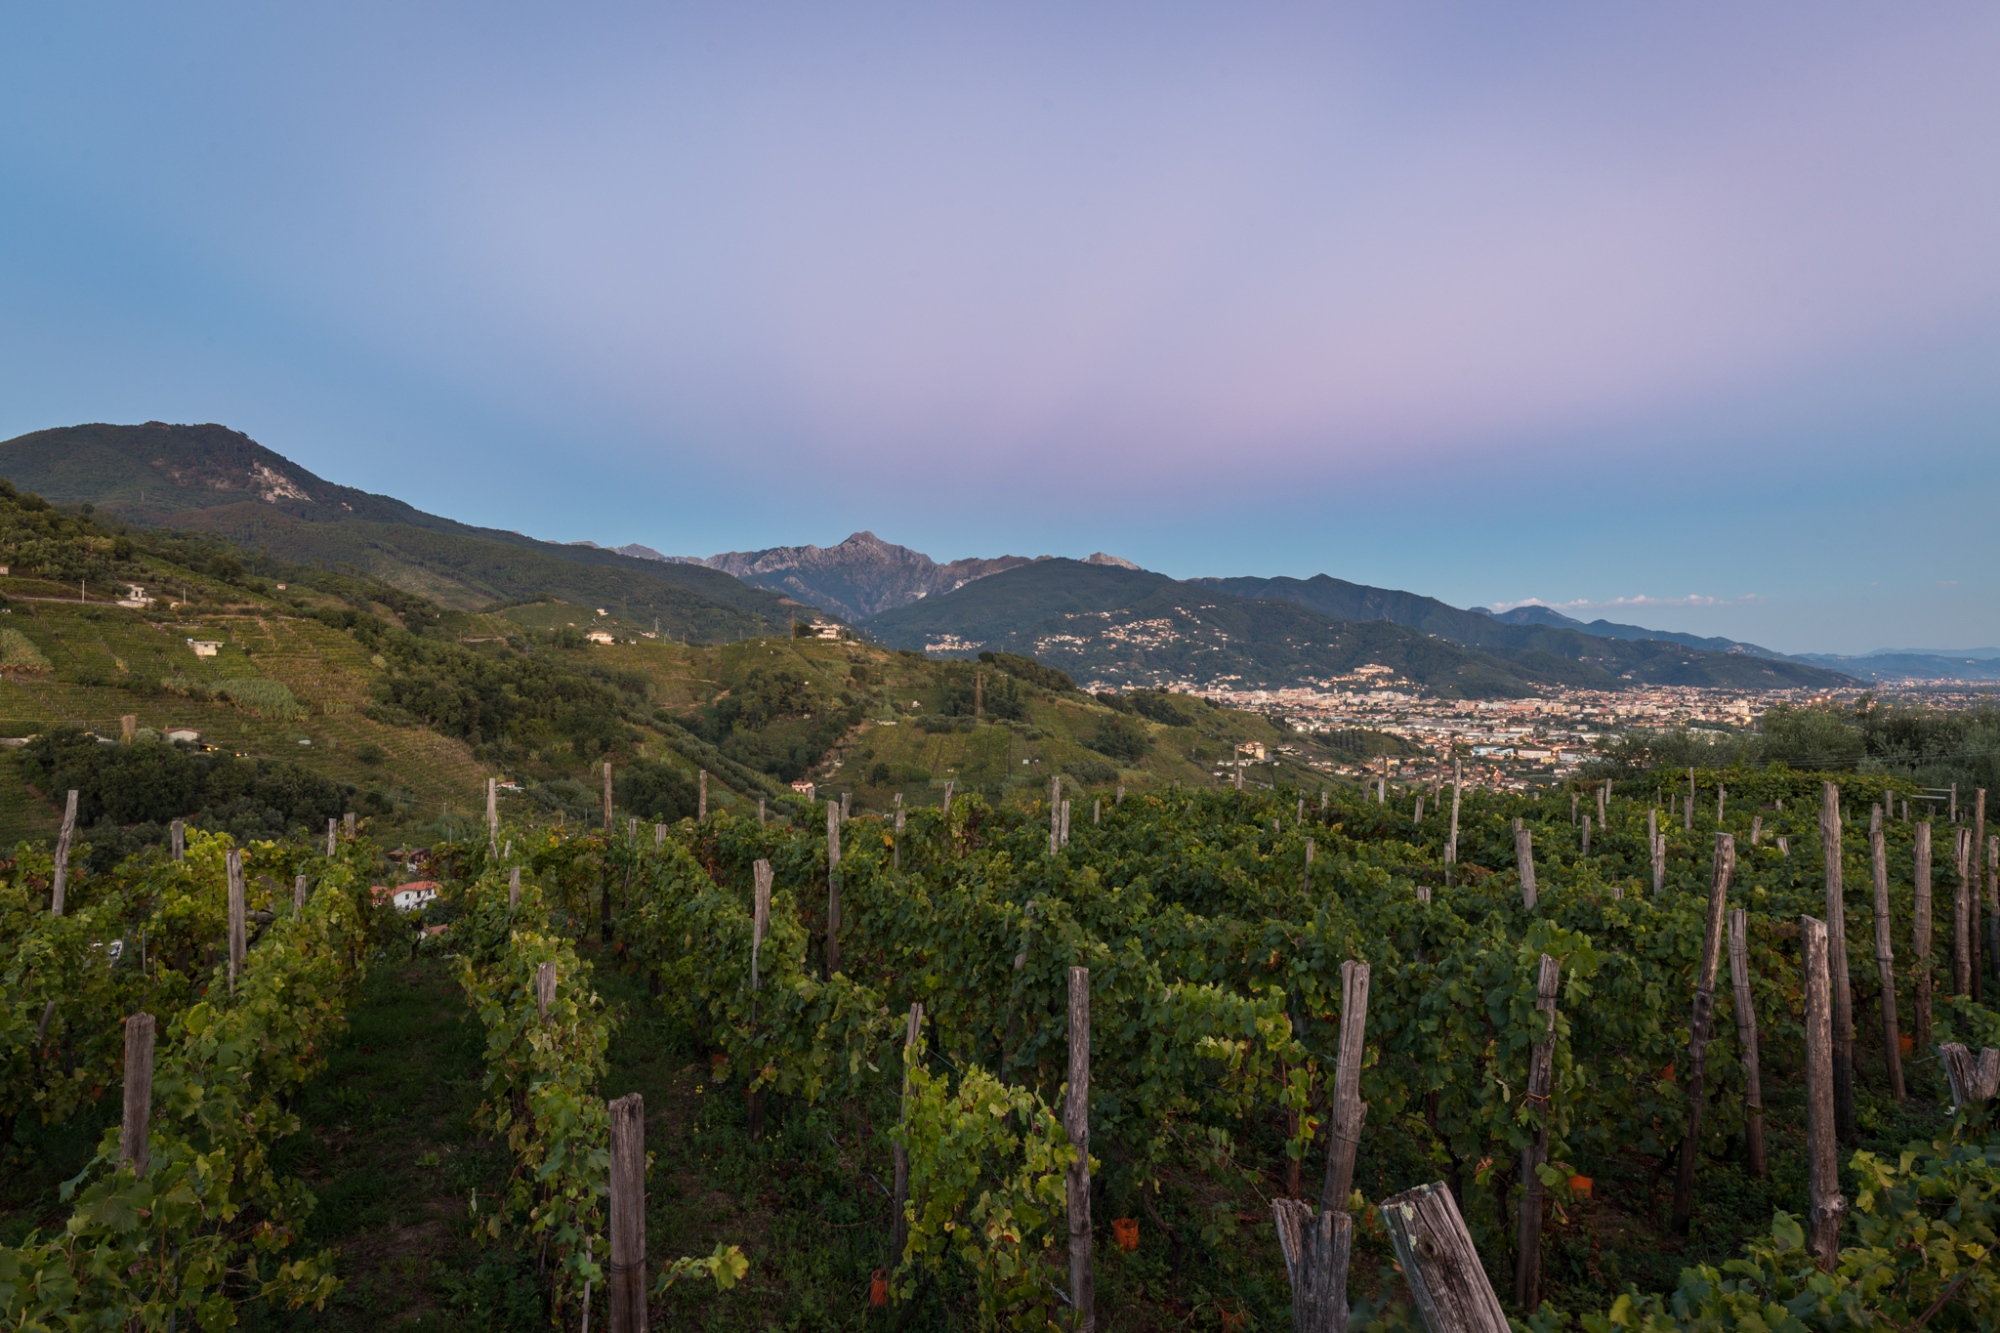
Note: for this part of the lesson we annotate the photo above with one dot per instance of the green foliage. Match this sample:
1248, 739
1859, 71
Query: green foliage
1031, 671
18, 652
1120, 738
655, 791
266, 698
142, 786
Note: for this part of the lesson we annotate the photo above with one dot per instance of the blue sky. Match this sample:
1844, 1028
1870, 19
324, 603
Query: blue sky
1687, 315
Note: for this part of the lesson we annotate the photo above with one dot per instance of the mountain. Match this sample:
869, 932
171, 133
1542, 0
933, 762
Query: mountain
860, 577
1910, 664
1133, 627
214, 479
1607, 629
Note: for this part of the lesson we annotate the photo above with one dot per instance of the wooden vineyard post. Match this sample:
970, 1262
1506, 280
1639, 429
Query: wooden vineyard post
1657, 846
513, 888
1965, 951
1979, 877
545, 990
1885, 962
659, 836
1299, 815
134, 1147
1065, 823
1317, 1251
332, 837
1541, 1075
60, 889
1993, 884
1418, 817
1586, 835
1348, 1109
1306, 882
1746, 1037
899, 1198
1451, 840
1076, 1124
1699, 1025
846, 798
1055, 813
1097, 810
760, 926
1435, 1251
1524, 862
347, 822
1961, 924
299, 895
760, 810
1836, 963
1322, 800
492, 812
896, 848
627, 1278
1721, 795
1573, 801
177, 839
1920, 933
701, 796
1687, 806
234, 864
607, 798
1972, 1081
832, 888
1756, 829
1604, 805
1822, 1161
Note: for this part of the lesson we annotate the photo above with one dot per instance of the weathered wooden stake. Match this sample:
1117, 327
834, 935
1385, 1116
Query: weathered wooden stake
899, 1197
1746, 1038
1885, 963
1972, 1081
1065, 823
545, 990
1992, 932
832, 888
1920, 933
234, 864
513, 888
1698, 1027
134, 1147
299, 895
1097, 811
1349, 1111
1524, 863
1307, 881
1586, 835
1451, 840
607, 797
1055, 813
1687, 806
1317, 1251
1721, 795
60, 889
1076, 1123
1756, 829
760, 810
1541, 1075
177, 839
347, 821
1574, 799
1961, 914
659, 836
760, 913
492, 810
1824, 1205
1447, 1282
1836, 962
627, 1278
1604, 805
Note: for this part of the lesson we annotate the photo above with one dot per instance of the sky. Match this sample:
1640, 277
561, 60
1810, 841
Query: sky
1686, 315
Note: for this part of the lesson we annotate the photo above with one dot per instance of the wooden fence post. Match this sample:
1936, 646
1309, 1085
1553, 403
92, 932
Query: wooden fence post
332, 837
1451, 840
659, 836
1721, 795
1349, 1111
627, 1278
1656, 848
1524, 862
177, 839
493, 812
1541, 1075
1885, 963
513, 888
298, 895
1972, 1081
760, 914
545, 990
1055, 813
899, 1198
1822, 1161
60, 889
1993, 888
1076, 1123
1687, 806
607, 798
1746, 1038
1317, 1251
832, 888
1604, 805
1756, 829
347, 821
1586, 835
1065, 823
1306, 882
1573, 801
134, 1147
1097, 810
234, 864
1699, 1025
1920, 932
1964, 932
760, 810
701, 796
1836, 964
1435, 1251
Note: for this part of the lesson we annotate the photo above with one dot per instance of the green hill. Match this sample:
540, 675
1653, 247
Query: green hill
213, 479
1133, 627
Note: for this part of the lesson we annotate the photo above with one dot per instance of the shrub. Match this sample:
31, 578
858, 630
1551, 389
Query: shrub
18, 652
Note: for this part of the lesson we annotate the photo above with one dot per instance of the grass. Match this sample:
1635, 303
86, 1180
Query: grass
389, 1149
